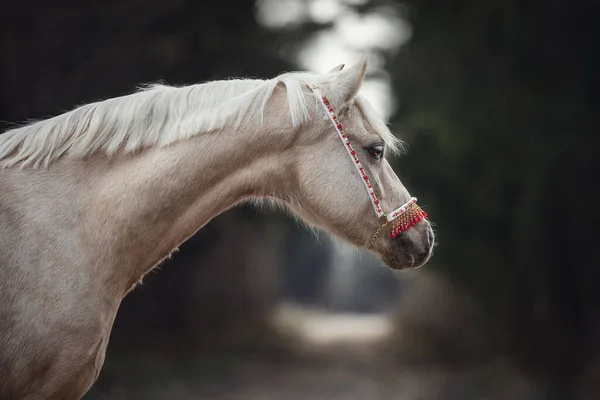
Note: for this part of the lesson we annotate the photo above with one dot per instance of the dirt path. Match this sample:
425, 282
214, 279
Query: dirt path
339, 357
318, 381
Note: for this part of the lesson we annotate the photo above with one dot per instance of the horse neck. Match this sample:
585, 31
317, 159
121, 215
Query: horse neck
148, 204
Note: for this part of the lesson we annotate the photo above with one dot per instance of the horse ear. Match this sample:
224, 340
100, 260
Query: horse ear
348, 82
338, 68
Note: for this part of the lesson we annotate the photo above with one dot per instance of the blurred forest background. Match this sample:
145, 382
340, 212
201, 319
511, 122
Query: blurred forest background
498, 103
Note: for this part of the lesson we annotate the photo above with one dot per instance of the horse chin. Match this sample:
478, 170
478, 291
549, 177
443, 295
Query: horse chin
402, 260
410, 249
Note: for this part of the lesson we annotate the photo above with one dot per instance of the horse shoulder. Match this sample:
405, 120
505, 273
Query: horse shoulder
54, 329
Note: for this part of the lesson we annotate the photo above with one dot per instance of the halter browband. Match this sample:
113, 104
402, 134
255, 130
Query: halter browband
402, 218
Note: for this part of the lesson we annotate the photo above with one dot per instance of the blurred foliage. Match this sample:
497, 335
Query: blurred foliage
59, 54
498, 108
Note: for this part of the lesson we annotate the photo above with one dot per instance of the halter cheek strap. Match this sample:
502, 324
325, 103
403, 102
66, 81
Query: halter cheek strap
403, 217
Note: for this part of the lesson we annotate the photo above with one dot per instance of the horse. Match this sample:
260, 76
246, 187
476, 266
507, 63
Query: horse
93, 199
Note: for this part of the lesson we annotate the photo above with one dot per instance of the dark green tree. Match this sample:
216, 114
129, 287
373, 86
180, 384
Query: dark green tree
499, 104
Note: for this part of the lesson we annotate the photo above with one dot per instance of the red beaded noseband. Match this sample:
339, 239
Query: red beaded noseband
402, 218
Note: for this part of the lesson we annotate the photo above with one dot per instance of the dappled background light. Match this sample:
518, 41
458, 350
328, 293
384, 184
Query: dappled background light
348, 35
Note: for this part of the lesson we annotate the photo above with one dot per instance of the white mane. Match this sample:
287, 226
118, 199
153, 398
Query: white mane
159, 115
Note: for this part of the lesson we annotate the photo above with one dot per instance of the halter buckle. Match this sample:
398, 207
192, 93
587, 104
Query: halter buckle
383, 220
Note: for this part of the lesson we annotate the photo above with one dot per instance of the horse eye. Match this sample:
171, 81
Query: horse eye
376, 151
